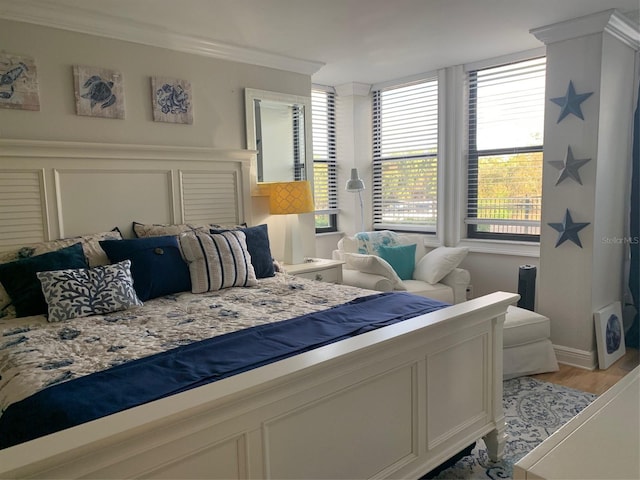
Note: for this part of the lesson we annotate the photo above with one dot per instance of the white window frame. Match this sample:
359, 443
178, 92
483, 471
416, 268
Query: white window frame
456, 231
509, 229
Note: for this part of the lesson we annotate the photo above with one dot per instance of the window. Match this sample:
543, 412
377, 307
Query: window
505, 129
405, 156
324, 159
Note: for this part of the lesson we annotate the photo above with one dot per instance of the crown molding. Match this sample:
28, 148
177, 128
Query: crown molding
97, 151
353, 89
91, 23
624, 29
610, 21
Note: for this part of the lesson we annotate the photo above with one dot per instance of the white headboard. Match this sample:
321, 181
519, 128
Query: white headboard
52, 190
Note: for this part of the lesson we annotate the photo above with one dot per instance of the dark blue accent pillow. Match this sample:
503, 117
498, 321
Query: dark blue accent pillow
259, 249
21, 283
157, 266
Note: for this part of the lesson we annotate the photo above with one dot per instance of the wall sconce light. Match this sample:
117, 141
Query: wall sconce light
291, 198
355, 184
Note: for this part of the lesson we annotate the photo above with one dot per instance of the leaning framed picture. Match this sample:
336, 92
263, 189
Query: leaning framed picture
609, 334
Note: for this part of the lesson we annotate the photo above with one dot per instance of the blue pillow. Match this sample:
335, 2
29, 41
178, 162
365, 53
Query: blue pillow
157, 266
21, 283
259, 249
401, 257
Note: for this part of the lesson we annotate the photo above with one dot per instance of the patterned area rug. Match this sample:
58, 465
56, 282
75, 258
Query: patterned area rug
533, 411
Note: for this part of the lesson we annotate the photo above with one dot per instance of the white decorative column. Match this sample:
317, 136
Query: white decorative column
593, 54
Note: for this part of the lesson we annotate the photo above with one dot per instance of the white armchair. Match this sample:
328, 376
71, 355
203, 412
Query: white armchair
373, 259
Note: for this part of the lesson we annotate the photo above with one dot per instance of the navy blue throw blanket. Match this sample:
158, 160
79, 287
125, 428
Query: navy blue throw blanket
151, 378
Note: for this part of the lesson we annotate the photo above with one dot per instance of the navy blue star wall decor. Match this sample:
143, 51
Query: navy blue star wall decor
568, 230
569, 166
570, 103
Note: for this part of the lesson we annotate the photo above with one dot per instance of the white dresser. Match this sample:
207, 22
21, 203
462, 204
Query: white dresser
601, 442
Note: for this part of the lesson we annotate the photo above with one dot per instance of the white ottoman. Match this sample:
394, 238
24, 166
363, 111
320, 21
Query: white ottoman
527, 345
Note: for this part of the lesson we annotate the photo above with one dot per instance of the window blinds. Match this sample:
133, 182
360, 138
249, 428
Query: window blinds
323, 107
405, 156
506, 126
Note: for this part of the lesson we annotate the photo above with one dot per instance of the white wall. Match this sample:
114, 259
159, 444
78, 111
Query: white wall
612, 190
353, 138
490, 272
218, 90
217, 85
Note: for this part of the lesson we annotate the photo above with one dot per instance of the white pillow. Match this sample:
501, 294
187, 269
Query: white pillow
348, 245
375, 265
439, 263
408, 239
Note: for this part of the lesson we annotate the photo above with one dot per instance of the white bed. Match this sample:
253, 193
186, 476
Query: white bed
391, 403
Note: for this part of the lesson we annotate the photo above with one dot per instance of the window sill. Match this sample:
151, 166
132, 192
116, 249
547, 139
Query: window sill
502, 247
328, 234
494, 247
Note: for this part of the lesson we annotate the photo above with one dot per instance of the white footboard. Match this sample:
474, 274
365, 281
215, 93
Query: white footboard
394, 403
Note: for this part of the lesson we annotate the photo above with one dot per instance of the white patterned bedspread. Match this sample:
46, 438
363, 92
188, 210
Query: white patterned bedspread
35, 354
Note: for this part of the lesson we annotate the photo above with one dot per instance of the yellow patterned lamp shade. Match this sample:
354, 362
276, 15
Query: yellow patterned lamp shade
290, 197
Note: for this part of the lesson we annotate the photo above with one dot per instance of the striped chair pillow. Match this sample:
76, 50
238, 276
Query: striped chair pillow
217, 260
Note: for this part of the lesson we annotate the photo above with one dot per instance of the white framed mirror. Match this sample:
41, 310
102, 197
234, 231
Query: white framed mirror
279, 129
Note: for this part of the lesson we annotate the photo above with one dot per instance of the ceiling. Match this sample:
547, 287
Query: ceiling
364, 41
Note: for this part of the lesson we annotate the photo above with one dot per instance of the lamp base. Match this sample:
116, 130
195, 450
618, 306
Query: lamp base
292, 241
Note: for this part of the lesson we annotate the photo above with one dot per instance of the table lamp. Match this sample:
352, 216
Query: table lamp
291, 198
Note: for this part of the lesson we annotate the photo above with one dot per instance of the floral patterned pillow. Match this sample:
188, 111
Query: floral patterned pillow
141, 230
370, 242
82, 292
90, 244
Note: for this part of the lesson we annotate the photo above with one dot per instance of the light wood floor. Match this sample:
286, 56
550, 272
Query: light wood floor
593, 381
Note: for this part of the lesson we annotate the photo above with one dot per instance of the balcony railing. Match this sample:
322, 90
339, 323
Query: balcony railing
528, 208
514, 215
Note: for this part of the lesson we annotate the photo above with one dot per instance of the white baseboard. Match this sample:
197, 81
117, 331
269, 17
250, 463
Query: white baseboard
576, 358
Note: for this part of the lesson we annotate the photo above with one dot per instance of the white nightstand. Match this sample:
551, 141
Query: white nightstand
319, 269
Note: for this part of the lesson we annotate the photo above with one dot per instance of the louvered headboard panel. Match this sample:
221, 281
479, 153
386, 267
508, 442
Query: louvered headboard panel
23, 209
53, 190
205, 194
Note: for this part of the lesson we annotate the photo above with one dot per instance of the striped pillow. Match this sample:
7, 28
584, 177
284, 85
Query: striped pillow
217, 260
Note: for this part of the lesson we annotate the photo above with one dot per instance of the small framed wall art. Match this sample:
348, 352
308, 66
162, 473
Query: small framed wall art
609, 334
171, 99
99, 92
18, 82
